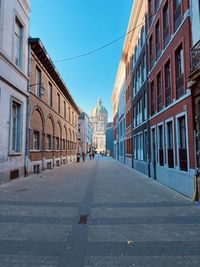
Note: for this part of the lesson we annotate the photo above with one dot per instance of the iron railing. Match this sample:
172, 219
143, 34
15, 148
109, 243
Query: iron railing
195, 56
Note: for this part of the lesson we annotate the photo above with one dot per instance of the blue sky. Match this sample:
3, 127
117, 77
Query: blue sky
71, 27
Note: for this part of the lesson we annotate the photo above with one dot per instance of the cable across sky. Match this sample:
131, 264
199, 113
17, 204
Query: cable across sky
107, 44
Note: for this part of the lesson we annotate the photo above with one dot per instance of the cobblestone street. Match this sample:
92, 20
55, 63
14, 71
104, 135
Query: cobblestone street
133, 220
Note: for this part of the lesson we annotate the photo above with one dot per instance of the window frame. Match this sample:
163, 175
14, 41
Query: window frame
167, 142
20, 128
18, 20
182, 114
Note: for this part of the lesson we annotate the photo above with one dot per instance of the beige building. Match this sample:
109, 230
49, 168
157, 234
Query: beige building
99, 120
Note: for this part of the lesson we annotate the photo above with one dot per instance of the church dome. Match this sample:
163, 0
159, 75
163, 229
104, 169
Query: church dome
99, 109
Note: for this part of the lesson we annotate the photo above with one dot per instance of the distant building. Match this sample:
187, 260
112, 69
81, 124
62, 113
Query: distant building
99, 120
85, 133
53, 114
109, 139
14, 33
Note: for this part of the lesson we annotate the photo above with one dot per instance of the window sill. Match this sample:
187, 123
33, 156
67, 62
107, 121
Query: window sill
13, 154
35, 151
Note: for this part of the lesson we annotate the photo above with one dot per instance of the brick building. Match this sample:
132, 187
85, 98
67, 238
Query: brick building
163, 90
171, 115
53, 114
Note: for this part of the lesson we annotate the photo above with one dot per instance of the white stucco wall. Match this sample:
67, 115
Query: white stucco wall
13, 83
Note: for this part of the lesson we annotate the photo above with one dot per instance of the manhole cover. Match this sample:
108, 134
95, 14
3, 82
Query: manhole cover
83, 219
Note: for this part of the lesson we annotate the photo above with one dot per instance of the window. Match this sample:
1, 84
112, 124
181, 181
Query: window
72, 118
64, 109
182, 144
38, 78
69, 114
145, 105
57, 143
166, 24
177, 14
58, 99
150, 12
36, 140
159, 92
170, 145
18, 38
145, 146
157, 2
158, 48
179, 71
144, 67
139, 146
151, 52
63, 143
152, 99
16, 126
167, 84
161, 148
49, 142
50, 95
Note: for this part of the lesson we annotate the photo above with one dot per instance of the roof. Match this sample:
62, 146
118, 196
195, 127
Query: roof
40, 51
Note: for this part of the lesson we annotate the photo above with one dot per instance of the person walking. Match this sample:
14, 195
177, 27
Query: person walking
78, 157
90, 155
83, 156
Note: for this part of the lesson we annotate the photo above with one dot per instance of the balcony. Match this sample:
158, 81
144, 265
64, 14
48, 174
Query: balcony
195, 57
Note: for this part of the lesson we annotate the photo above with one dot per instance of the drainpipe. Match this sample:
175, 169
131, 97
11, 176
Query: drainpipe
27, 116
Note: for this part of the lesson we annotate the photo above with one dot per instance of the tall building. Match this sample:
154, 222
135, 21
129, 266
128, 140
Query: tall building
172, 160
14, 33
162, 92
53, 113
99, 120
85, 133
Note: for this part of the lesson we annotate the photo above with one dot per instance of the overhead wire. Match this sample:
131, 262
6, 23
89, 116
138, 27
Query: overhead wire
107, 44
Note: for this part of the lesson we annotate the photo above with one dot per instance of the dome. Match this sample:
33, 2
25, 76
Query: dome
99, 109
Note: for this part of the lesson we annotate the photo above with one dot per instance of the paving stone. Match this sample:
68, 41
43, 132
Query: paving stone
133, 220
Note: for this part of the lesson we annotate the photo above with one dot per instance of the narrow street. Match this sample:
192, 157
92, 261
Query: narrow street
133, 220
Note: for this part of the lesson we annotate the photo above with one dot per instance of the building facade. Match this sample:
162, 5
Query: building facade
99, 120
109, 139
171, 121
164, 90
85, 133
53, 114
14, 33
194, 82
119, 113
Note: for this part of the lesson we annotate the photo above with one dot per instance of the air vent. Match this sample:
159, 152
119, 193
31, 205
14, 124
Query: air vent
14, 174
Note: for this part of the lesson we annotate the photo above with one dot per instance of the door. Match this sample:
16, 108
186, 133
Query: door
154, 152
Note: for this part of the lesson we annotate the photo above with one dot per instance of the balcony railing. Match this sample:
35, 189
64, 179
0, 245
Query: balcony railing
195, 56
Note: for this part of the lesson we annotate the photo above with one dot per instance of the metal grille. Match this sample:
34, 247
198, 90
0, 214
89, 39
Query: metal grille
14, 174
83, 219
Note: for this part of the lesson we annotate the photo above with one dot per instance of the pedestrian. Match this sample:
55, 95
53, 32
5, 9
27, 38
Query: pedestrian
78, 155
93, 154
90, 155
83, 156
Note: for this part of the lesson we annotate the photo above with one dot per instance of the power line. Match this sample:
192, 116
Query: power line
108, 44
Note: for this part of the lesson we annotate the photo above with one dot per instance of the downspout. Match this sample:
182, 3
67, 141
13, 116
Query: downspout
27, 115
